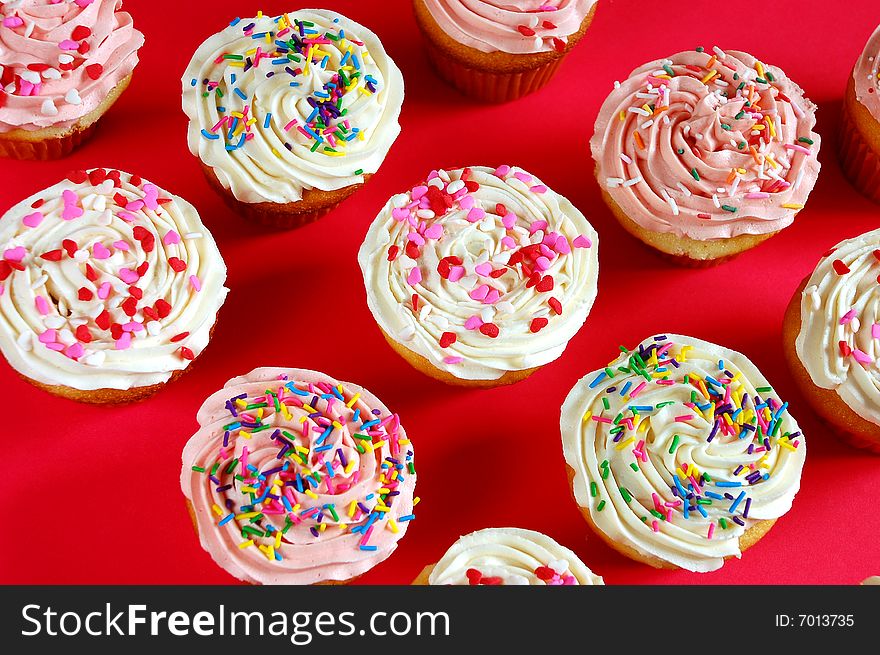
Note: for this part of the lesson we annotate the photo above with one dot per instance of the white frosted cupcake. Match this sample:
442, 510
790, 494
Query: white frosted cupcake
508, 556
291, 114
479, 276
109, 287
680, 454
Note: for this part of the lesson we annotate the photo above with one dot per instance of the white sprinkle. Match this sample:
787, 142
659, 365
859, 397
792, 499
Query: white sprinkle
455, 186
424, 311
647, 124
716, 201
407, 333
719, 52
81, 256
684, 189
54, 322
52, 74
798, 179
48, 108
154, 328
95, 359
616, 84
669, 199
639, 110
65, 58
25, 341
193, 235
505, 307
487, 314
425, 213
633, 181
734, 186
626, 158
437, 182
40, 281
30, 76
613, 182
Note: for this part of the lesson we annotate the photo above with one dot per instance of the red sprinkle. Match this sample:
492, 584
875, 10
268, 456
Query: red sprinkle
555, 305
412, 250
558, 44
177, 264
839, 267
393, 251
489, 329
90, 273
186, 353
5, 270
116, 331
80, 32
845, 350
415, 302
142, 269
546, 284
538, 324
77, 177
129, 306
53, 255
70, 246
94, 71
83, 334
103, 320
163, 308
179, 337
525, 30
500, 209
85, 294
545, 573
97, 176
447, 339
136, 292
473, 576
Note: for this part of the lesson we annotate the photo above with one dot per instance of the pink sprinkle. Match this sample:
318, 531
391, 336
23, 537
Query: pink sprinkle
416, 238
57, 347
171, 237
711, 531
434, 231
476, 214
523, 177
538, 188
453, 359
414, 277
581, 241
133, 326
466, 202
875, 330
418, 192
502, 170
75, 351
99, 251
562, 246
134, 205
508, 242
195, 282
757, 195
483, 269
82, 4
861, 357
400, 213
798, 148
456, 273
49, 336
124, 341
848, 317
121, 245
655, 526
151, 196
32, 220
480, 292
542, 263
509, 220
12, 21
473, 322
42, 305
71, 210
492, 297
104, 291
125, 216
537, 225
684, 418
68, 44
128, 276
14, 254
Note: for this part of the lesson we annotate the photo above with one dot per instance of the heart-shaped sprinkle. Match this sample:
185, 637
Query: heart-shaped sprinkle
128, 276
32, 220
94, 71
171, 237
14, 254
100, 251
80, 32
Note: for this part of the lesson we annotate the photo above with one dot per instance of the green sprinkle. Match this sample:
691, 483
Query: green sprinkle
605, 402
288, 435
728, 208
232, 465
634, 467
704, 501
761, 80
594, 489
287, 525
769, 76
706, 477
736, 76
249, 530
700, 48
363, 437
804, 139
261, 428
600, 506
725, 126
333, 513
198, 469
235, 57
626, 495
674, 444
359, 171
214, 468
723, 523
695, 175
259, 517
763, 389
669, 70
654, 512
741, 145
742, 112
680, 151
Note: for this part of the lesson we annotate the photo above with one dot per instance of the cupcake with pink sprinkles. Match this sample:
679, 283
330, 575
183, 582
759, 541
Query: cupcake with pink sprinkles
479, 276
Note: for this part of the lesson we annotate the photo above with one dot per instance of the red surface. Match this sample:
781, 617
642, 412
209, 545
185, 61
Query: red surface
91, 495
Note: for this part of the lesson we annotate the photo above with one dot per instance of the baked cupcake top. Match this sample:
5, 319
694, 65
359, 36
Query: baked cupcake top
481, 271
512, 26
106, 282
59, 60
678, 447
278, 106
840, 324
510, 556
297, 478
866, 75
707, 145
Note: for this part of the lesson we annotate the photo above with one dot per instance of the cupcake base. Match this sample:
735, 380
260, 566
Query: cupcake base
490, 76
681, 249
53, 142
422, 579
422, 364
746, 540
285, 216
859, 145
844, 422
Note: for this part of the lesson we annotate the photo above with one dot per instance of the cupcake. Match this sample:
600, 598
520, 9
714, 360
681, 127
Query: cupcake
290, 115
860, 124
297, 478
500, 51
109, 287
62, 66
507, 556
831, 336
480, 276
680, 454
706, 154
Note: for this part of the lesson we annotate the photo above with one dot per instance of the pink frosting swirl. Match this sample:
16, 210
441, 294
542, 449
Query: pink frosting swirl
866, 75
708, 145
59, 59
296, 478
513, 26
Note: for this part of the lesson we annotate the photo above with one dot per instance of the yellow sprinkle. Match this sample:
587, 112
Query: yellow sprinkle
276, 153
322, 527
784, 443
392, 525
760, 68
349, 467
236, 64
270, 553
337, 425
245, 544
246, 515
588, 415
302, 419
709, 76
249, 489
309, 408
278, 539
353, 400
380, 509
246, 435
217, 510
622, 115
624, 444
792, 205
416, 501
352, 507
240, 402
311, 494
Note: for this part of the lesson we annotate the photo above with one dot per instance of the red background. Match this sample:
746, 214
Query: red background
91, 494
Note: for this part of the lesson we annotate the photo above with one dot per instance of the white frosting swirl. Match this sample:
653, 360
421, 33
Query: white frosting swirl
313, 104
106, 281
839, 339
510, 556
693, 449
503, 271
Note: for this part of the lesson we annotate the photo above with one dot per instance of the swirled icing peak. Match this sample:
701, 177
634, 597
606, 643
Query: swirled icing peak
678, 447
297, 478
707, 145
481, 271
279, 105
839, 339
510, 556
866, 75
512, 26
106, 281
59, 60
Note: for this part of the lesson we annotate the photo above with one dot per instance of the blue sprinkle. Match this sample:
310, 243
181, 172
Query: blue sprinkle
194, 82
267, 121
240, 94
235, 21
226, 519
598, 379
369, 547
404, 519
208, 135
735, 503
722, 483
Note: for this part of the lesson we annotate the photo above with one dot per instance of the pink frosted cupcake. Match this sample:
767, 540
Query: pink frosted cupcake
63, 63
